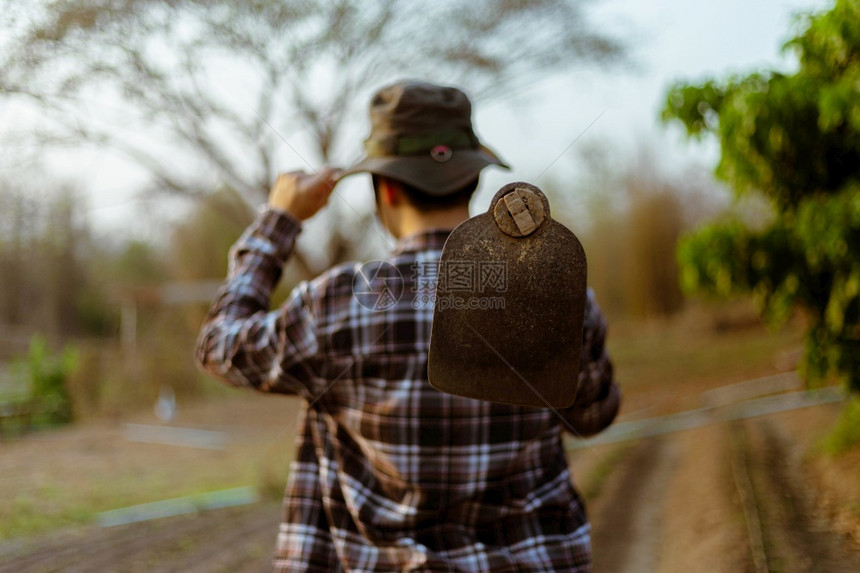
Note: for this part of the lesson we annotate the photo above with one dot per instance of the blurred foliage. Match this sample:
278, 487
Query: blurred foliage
137, 262
47, 374
44, 246
795, 140
199, 244
59, 279
845, 435
629, 218
655, 222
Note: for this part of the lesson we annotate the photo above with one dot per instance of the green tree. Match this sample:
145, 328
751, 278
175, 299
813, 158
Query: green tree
795, 139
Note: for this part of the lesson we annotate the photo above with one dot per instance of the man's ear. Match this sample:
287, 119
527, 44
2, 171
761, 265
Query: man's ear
389, 191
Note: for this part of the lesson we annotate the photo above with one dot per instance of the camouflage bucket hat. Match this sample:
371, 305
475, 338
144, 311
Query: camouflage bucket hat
421, 134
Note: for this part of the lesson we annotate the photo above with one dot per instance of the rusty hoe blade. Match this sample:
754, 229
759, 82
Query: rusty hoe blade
510, 297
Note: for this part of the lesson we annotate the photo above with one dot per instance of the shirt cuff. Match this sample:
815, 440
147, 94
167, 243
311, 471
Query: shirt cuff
280, 228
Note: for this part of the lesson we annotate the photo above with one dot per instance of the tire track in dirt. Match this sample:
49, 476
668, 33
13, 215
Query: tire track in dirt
795, 537
703, 524
627, 517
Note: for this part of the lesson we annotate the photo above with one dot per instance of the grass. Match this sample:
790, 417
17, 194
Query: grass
64, 478
596, 478
663, 366
33, 512
678, 352
845, 435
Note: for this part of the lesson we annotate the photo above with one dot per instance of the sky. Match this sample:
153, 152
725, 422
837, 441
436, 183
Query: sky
541, 130
670, 40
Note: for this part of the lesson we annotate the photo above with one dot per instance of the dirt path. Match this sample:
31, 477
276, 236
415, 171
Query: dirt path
236, 540
669, 503
703, 526
795, 536
731, 497
627, 519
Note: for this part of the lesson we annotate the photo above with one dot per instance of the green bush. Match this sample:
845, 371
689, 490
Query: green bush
846, 432
48, 375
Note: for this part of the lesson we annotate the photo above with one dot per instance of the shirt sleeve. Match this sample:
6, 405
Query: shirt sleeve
598, 396
241, 341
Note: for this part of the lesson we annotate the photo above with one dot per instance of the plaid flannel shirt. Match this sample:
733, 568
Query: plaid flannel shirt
390, 474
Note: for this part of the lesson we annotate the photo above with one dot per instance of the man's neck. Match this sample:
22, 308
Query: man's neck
414, 222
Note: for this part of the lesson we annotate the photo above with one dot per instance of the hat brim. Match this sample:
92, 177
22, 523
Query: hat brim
430, 175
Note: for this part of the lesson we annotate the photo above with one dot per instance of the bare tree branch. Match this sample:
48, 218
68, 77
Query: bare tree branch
218, 82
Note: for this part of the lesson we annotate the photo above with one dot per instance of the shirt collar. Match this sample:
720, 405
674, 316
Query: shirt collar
431, 240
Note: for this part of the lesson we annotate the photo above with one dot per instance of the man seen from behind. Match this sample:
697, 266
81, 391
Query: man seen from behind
390, 474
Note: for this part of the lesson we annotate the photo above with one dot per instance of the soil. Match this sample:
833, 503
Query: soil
702, 520
728, 497
230, 540
732, 497
630, 508
796, 536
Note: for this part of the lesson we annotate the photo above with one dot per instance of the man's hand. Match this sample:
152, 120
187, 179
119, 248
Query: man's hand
301, 194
